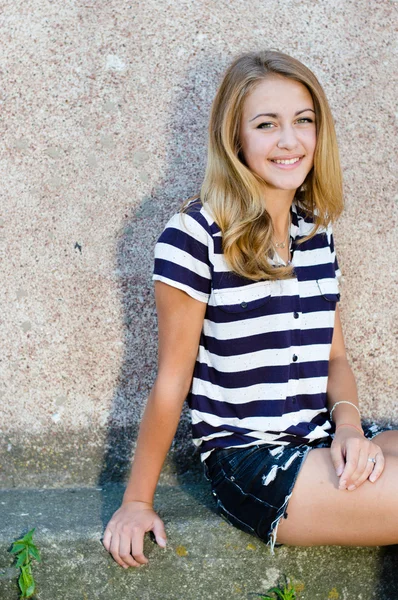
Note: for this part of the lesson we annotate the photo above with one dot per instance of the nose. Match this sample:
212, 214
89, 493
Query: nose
287, 139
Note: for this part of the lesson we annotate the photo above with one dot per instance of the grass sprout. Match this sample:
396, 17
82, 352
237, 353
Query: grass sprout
24, 550
285, 591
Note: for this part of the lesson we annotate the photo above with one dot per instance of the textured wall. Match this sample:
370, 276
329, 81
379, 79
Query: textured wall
104, 106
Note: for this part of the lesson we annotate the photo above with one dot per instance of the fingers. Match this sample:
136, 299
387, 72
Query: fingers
358, 467
378, 467
107, 539
372, 471
159, 533
349, 469
131, 549
137, 546
120, 550
364, 466
119, 545
345, 460
124, 539
337, 458
356, 462
362, 472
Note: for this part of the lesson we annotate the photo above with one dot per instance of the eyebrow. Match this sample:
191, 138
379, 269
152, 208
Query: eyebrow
276, 115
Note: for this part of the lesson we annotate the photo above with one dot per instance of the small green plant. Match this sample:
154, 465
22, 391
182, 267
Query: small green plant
284, 592
24, 550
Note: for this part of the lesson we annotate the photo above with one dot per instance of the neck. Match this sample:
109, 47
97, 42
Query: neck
278, 205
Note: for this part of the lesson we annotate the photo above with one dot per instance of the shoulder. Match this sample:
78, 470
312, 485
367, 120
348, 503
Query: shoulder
182, 253
201, 213
194, 220
305, 222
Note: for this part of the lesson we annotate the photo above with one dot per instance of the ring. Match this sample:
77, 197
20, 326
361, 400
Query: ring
372, 460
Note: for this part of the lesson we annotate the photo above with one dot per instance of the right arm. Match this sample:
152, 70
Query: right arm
180, 320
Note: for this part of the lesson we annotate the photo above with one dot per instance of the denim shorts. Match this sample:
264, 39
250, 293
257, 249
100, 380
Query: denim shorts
253, 485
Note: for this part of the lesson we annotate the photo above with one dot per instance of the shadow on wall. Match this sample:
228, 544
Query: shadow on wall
388, 579
184, 168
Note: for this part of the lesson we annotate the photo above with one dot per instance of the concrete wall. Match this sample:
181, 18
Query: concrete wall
104, 108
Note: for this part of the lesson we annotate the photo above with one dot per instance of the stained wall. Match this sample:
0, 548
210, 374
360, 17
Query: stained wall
104, 108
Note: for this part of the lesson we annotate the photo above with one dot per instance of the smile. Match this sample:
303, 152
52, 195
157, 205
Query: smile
290, 161
287, 162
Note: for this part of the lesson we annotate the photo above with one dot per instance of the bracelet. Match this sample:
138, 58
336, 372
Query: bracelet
349, 425
343, 402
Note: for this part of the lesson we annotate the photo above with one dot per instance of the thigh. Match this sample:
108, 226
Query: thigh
388, 442
319, 513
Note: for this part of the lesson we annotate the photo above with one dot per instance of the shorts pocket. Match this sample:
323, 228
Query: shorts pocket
235, 459
240, 509
233, 520
234, 505
244, 466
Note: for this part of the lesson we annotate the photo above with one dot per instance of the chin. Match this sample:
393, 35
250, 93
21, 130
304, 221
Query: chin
287, 186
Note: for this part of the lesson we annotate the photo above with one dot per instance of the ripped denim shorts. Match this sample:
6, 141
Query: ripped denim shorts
252, 486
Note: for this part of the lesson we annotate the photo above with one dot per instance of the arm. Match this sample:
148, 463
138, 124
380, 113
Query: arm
341, 381
180, 320
350, 450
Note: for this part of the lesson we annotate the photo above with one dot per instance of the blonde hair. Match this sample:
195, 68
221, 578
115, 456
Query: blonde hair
235, 194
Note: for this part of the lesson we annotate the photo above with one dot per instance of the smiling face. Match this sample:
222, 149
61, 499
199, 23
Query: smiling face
278, 132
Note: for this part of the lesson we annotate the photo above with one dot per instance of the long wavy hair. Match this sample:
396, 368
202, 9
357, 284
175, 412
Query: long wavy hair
235, 195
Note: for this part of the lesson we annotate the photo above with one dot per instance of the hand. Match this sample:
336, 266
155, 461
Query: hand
124, 534
350, 452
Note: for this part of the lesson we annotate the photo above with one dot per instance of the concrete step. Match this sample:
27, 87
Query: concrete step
206, 559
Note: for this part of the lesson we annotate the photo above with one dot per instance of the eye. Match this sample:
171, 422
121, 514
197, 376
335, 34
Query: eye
265, 125
305, 120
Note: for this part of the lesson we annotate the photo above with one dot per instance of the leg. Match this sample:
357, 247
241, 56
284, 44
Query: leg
388, 442
321, 514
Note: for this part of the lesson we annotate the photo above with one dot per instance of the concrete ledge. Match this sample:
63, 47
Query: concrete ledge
206, 558
68, 458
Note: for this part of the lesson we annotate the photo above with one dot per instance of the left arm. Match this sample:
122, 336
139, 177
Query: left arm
350, 449
341, 381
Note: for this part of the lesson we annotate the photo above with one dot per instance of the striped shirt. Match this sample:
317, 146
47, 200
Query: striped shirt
262, 366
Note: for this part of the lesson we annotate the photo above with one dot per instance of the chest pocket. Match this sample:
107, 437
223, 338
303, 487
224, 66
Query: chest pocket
329, 289
240, 301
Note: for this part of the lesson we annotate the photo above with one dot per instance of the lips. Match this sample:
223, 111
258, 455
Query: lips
287, 162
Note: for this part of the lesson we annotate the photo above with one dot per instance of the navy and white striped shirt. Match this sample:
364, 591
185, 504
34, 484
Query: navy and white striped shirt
262, 366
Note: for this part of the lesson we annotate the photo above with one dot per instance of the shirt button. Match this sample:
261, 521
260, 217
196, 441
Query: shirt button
296, 315
295, 358
243, 304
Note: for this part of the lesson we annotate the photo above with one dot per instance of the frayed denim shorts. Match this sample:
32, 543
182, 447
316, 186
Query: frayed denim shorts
253, 485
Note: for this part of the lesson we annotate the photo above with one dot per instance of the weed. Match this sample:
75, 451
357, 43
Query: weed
285, 591
24, 550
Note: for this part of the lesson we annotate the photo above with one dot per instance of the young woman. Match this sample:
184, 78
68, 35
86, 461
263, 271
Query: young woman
246, 293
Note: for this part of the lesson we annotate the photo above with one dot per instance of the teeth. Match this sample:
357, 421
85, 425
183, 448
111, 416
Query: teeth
291, 161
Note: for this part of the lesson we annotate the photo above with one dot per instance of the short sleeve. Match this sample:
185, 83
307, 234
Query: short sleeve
182, 256
337, 271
